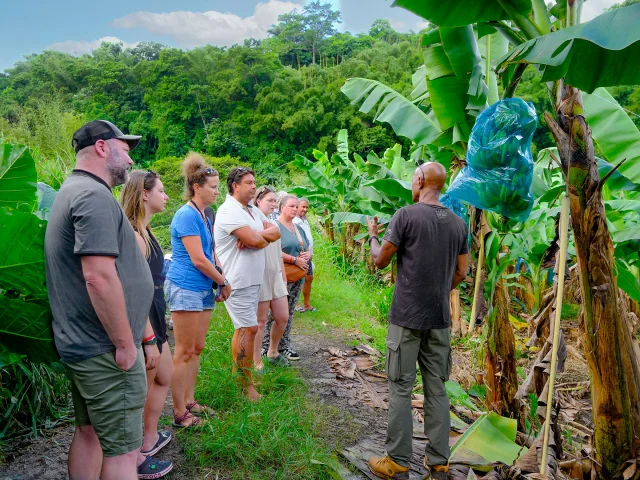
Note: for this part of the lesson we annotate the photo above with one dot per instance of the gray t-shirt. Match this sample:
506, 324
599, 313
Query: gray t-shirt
290, 243
86, 219
429, 239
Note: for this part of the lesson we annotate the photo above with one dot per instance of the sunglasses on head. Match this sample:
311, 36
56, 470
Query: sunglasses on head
262, 191
150, 174
208, 171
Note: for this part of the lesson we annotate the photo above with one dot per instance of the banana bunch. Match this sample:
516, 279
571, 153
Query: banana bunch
499, 167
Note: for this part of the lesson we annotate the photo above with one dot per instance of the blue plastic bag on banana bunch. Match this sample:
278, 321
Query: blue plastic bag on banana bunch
499, 167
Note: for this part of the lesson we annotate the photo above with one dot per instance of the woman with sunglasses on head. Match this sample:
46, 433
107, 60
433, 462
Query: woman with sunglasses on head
142, 197
189, 285
273, 291
295, 256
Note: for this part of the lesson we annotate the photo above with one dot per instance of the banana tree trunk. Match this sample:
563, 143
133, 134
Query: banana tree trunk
500, 357
608, 346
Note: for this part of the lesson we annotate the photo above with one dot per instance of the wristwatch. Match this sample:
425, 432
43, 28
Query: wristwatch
153, 341
373, 238
225, 283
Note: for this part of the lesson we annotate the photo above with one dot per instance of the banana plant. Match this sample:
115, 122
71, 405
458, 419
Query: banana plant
25, 316
565, 52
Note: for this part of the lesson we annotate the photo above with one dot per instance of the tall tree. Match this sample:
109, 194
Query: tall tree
305, 30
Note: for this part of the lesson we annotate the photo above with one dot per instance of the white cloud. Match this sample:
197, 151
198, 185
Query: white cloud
398, 25
593, 8
82, 47
192, 29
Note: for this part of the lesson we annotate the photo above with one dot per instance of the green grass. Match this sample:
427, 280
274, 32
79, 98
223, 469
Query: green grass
280, 437
288, 434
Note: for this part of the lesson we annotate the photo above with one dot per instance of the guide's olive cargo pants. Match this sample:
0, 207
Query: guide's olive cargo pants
432, 350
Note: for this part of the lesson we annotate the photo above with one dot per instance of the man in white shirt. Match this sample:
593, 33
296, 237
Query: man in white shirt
240, 235
302, 221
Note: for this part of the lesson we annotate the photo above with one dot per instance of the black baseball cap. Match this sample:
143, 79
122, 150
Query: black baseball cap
91, 132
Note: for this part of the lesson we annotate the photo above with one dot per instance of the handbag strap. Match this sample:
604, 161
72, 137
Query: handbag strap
295, 228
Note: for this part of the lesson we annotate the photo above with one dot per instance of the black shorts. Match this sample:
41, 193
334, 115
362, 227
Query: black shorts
156, 316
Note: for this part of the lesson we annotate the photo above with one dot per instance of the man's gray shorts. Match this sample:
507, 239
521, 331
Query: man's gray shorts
242, 306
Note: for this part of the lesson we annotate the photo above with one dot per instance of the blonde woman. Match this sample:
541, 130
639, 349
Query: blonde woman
273, 291
188, 287
295, 251
142, 197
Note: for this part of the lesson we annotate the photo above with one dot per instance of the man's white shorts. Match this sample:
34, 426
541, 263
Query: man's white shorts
242, 306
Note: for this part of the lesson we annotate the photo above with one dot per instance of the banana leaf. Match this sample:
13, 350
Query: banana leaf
626, 234
25, 328
406, 118
614, 132
343, 143
317, 177
393, 187
627, 281
455, 13
22, 253
599, 53
489, 439
17, 177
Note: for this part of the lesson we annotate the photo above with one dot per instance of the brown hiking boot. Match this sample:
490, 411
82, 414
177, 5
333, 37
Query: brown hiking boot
385, 467
436, 472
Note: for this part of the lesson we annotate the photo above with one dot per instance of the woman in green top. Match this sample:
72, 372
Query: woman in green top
294, 251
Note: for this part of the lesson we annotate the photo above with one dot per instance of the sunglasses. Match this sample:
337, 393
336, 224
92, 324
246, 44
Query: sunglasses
264, 190
150, 174
208, 171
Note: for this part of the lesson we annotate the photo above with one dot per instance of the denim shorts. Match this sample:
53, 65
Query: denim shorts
180, 299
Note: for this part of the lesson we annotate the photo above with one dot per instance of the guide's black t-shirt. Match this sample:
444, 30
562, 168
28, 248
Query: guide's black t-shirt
429, 239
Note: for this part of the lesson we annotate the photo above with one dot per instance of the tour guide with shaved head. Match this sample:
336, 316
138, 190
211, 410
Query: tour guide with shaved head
431, 243
100, 292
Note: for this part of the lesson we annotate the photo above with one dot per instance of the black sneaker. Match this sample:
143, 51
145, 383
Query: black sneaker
291, 355
152, 468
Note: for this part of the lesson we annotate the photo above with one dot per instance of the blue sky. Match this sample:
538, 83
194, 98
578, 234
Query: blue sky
77, 26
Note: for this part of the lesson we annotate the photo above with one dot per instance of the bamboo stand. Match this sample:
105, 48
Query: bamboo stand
564, 233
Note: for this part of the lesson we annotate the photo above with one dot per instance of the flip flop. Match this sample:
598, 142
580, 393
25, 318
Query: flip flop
164, 437
177, 421
300, 309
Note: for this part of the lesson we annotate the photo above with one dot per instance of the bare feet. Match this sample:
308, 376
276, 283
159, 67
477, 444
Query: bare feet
252, 394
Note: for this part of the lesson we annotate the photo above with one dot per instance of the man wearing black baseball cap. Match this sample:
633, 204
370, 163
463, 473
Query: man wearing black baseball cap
104, 139
100, 291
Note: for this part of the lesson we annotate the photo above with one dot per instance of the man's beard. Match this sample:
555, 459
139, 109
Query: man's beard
119, 174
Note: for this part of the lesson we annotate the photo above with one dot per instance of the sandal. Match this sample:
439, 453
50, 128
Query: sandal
177, 421
201, 409
279, 361
164, 437
300, 309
